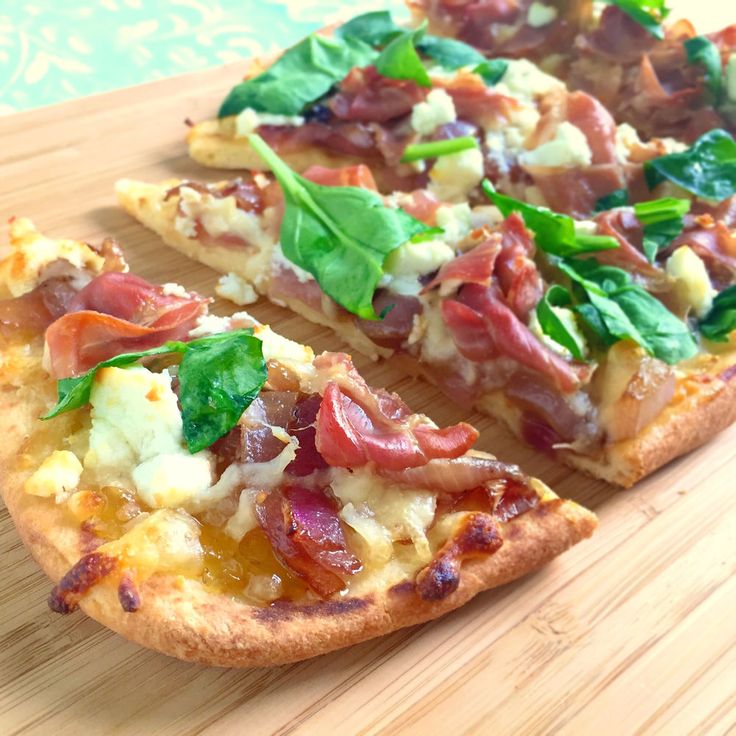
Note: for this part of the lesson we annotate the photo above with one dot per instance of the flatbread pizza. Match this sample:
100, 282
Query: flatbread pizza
212, 490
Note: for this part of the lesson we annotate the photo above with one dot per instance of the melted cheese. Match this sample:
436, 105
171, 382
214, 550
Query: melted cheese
540, 15
405, 514
164, 541
526, 81
58, 475
408, 262
455, 220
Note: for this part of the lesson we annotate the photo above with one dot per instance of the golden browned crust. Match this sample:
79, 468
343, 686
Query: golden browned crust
182, 618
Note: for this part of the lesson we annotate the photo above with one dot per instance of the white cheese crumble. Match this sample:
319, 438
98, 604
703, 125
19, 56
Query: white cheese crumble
436, 110
58, 475
455, 220
693, 282
137, 430
173, 289
540, 15
409, 261
454, 176
250, 120
237, 290
569, 147
527, 81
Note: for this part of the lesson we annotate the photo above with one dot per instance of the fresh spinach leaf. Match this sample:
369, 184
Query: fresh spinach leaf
555, 327
375, 28
647, 13
341, 235
219, 376
707, 168
626, 311
720, 321
449, 53
303, 74
663, 221
617, 198
400, 60
492, 70
554, 233
701, 50
435, 149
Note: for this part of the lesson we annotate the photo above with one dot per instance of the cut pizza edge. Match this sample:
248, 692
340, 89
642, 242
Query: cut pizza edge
702, 409
178, 614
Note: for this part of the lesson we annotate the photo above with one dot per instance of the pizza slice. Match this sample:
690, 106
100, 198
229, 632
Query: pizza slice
217, 492
605, 341
662, 78
427, 112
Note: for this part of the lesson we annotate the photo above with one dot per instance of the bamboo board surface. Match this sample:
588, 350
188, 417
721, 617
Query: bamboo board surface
631, 632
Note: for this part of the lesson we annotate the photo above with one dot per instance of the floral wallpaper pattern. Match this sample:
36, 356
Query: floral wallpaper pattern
53, 50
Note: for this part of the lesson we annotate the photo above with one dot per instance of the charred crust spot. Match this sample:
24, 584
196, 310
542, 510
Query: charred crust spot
477, 536
439, 579
87, 572
285, 610
128, 595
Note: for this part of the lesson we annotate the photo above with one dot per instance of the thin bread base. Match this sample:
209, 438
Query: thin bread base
182, 618
680, 428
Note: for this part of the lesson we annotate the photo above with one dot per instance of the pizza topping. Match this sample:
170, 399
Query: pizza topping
720, 321
351, 433
454, 475
707, 168
692, 282
306, 534
58, 475
367, 96
37, 309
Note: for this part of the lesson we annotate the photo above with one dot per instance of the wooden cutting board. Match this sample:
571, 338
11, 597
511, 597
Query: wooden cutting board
632, 631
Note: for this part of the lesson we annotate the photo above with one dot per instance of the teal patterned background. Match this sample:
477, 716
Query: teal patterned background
54, 50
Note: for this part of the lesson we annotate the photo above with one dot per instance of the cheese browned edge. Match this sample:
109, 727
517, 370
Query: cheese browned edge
179, 616
707, 408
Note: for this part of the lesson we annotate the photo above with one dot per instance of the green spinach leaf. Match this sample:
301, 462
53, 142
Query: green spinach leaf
375, 28
707, 168
303, 74
701, 50
627, 312
720, 322
400, 60
435, 149
647, 13
553, 326
449, 53
617, 198
663, 221
341, 235
554, 233
492, 70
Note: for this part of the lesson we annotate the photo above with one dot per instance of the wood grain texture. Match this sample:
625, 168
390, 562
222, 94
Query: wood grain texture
631, 632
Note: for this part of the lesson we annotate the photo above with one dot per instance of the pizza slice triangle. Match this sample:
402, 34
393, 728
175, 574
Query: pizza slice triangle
212, 490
